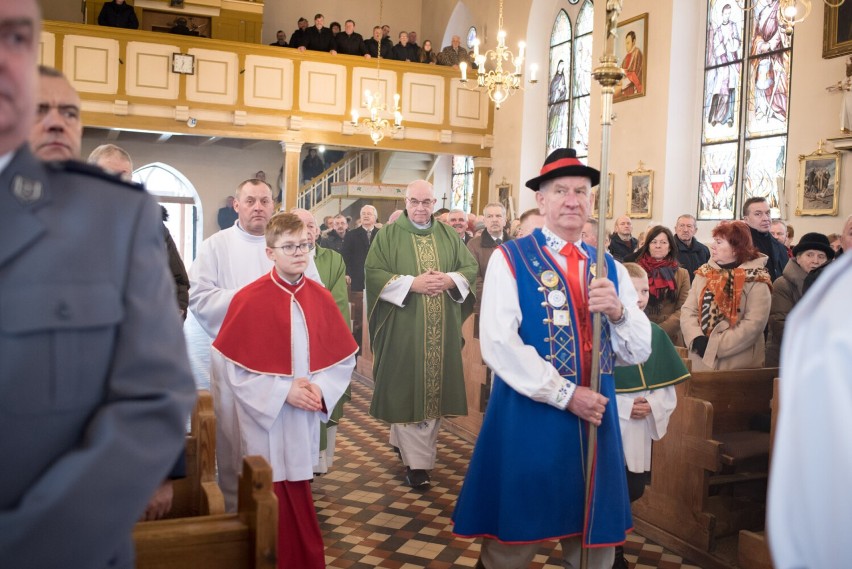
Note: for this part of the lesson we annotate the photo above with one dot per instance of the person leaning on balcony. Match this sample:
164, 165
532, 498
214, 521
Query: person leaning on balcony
118, 14
454, 54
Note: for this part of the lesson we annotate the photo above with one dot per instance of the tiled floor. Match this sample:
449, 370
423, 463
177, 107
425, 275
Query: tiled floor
369, 518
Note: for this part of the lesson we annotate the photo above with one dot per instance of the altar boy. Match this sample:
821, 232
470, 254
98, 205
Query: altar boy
284, 356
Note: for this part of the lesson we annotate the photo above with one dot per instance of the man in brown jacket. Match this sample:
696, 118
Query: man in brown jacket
483, 245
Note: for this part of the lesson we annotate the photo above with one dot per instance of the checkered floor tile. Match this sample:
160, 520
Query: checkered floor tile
369, 518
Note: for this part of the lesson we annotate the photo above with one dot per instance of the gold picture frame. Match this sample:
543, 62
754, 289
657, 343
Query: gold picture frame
640, 193
818, 188
634, 84
504, 196
609, 202
837, 31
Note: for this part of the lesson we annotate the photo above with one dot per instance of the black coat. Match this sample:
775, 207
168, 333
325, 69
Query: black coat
373, 48
319, 39
350, 45
356, 245
297, 39
118, 16
770, 247
691, 256
405, 52
619, 249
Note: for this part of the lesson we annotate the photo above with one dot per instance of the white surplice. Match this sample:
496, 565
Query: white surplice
285, 436
637, 434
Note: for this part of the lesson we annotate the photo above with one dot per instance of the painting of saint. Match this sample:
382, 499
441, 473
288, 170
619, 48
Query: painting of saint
632, 54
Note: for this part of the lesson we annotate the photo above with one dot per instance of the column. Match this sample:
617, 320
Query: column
292, 165
481, 183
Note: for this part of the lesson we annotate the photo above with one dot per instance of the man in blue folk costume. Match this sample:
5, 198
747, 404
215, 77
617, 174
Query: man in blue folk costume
526, 481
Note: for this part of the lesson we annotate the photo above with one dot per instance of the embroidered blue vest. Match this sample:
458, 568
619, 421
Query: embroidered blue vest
525, 481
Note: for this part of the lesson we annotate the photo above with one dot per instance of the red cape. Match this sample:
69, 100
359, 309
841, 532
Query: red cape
256, 333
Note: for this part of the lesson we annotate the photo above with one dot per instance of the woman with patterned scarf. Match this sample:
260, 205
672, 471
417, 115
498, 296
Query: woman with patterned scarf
727, 309
668, 282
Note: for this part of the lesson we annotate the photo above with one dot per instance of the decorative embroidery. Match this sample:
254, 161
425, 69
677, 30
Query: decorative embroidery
433, 314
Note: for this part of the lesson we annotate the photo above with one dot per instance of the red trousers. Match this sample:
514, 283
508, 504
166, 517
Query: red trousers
299, 538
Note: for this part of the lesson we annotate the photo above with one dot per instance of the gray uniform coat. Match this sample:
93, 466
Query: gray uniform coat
95, 386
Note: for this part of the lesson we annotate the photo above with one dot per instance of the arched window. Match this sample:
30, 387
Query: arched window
177, 194
582, 84
570, 80
745, 112
462, 183
558, 110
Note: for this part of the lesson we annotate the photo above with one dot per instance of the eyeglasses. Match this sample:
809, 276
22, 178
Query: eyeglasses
417, 203
290, 248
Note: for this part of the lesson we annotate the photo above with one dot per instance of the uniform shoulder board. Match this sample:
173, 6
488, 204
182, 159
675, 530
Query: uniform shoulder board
77, 167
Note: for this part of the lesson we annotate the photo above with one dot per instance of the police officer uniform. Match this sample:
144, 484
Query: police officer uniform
95, 385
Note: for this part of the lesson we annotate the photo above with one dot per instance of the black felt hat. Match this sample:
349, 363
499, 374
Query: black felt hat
814, 242
563, 162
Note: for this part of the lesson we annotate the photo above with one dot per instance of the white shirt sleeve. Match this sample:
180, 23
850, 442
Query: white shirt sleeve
663, 402
631, 340
518, 364
462, 285
396, 290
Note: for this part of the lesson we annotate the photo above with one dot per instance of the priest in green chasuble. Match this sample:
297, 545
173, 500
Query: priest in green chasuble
419, 278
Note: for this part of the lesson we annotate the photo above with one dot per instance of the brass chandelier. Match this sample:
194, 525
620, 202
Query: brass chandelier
791, 12
381, 120
499, 83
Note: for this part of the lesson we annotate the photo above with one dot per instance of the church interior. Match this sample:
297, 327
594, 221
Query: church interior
704, 130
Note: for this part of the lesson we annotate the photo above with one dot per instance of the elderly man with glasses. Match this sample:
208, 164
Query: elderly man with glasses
419, 279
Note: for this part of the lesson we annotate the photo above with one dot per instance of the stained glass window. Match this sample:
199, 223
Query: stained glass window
570, 80
745, 112
462, 183
558, 109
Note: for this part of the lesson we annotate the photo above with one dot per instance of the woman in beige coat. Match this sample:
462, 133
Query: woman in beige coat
813, 251
726, 311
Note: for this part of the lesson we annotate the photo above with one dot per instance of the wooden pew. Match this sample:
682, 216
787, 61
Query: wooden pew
245, 540
708, 477
752, 549
198, 494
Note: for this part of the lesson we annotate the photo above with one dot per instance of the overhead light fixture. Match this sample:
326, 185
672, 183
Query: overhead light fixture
791, 12
381, 120
500, 84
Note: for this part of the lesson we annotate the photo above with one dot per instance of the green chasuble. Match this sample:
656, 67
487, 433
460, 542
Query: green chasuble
417, 363
663, 368
332, 272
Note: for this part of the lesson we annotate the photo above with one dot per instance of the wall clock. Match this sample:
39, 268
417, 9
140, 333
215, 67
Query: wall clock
183, 63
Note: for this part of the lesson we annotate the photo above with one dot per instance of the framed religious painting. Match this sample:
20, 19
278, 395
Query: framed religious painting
504, 196
631, 51
610, 193
837, 31
640, 189
819, 183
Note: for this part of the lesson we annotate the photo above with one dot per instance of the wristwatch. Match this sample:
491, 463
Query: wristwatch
621, 320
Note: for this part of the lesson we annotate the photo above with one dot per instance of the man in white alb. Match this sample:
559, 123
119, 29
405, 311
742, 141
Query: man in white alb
226, 262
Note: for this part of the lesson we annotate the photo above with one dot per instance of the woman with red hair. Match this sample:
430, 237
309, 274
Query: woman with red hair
727, 309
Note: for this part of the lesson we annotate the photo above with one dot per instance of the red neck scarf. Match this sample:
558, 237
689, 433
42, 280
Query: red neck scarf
661, 274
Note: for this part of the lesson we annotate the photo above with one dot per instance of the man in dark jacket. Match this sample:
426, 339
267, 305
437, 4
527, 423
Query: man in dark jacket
404, 51
622, 242
757, 216
377, 40
335, 236
349, 42
117, 14
319, 38
297, 38
356, 245
691, 253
